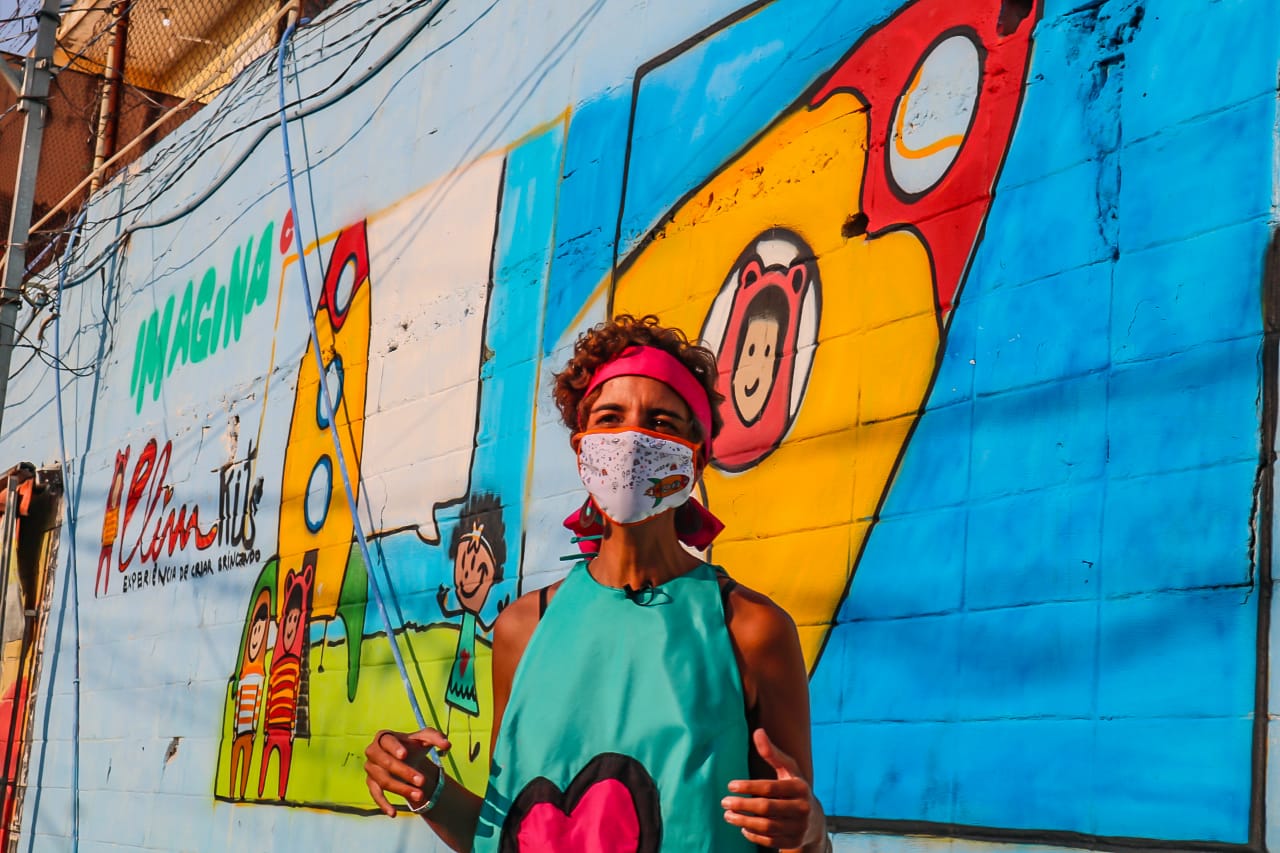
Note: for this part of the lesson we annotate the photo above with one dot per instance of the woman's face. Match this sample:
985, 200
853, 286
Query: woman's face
640, 402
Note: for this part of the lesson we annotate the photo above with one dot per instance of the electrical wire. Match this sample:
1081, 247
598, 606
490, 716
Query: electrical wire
81, 54
33, 264
72, 568
34, 351
326, 96
51, 359
326, 400
196, 146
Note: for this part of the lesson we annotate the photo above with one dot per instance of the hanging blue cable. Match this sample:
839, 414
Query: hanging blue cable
325, 399
72, 574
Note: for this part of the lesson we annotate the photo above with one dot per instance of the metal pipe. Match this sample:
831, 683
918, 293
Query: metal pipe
109, 109
8, 526
32, 101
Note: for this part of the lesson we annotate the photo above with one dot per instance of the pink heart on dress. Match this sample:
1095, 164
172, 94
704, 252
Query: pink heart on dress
611, 806
603, 821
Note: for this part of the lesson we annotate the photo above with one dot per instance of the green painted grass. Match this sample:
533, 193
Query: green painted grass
327, 769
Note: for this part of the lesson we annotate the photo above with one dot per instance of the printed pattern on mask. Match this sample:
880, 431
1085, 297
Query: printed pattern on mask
634, 475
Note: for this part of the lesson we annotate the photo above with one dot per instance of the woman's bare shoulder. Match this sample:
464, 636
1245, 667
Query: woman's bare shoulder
757, 623
517, 622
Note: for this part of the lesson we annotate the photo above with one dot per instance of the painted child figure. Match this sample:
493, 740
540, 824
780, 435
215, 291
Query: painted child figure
248, 691
111, 523
285, 685
478, 550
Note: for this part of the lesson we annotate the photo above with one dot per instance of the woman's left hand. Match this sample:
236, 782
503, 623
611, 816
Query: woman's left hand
780, 813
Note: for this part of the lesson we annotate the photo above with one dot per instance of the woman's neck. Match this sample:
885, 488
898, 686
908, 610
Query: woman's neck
641, 554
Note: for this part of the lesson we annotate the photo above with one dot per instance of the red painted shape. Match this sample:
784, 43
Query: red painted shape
17, 692
351, 247
286, 232
173, 527
880, 69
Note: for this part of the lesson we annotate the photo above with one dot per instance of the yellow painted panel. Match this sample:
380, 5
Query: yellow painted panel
878, 448
895, 365
771, 185
866, 360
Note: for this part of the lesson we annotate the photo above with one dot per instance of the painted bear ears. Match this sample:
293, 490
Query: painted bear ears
753, 270
305, 577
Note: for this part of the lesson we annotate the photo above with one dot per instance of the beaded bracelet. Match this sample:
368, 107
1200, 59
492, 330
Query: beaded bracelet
435, 795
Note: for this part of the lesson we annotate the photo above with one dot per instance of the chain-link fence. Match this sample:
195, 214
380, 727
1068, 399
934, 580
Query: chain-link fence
121, 69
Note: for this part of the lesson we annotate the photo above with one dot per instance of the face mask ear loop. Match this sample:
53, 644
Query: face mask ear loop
585, 555
588, 555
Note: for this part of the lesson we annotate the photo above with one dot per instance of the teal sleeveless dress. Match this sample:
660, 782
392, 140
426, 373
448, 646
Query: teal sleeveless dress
625, 725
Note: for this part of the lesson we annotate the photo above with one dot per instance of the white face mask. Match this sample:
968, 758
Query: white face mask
633, 474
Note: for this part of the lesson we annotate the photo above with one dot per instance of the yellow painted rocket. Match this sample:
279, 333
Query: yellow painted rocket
315, 520
825, 258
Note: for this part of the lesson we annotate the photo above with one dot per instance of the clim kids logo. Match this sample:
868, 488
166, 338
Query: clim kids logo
146, 521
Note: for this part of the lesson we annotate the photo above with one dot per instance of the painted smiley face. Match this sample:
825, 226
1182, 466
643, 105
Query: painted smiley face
762, 325
756, 366
473, 570
258, 634
291, 621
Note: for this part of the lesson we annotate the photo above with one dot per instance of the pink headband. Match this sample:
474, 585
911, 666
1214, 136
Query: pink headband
666, 368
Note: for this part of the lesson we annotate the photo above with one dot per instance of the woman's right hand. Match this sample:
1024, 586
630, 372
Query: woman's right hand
398, 762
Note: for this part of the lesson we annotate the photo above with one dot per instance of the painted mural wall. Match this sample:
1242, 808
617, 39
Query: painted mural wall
989, 285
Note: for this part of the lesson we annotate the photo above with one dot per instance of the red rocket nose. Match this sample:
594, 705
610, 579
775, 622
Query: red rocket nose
942, 82
348, 270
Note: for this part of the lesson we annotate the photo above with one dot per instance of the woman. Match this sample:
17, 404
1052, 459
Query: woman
646, 702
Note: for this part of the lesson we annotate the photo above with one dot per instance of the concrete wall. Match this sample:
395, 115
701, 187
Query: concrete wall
988, 283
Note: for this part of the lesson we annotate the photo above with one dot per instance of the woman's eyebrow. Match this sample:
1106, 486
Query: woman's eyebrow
670, 413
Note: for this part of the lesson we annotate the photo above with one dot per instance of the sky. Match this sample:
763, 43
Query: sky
17, 36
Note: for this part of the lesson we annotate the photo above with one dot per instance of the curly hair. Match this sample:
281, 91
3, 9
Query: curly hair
604, 342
